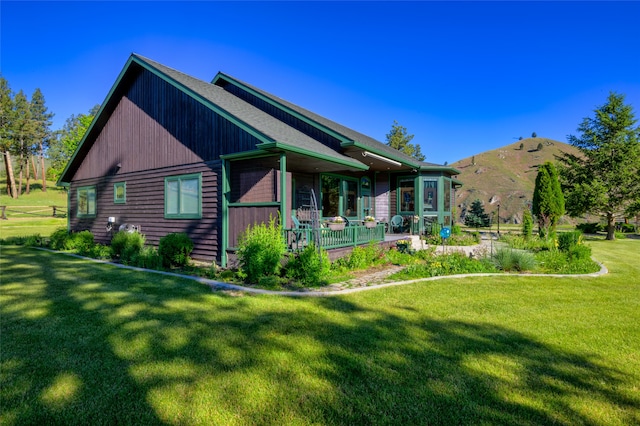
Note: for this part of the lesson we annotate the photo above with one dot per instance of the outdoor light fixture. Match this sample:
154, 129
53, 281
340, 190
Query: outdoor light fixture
381, 158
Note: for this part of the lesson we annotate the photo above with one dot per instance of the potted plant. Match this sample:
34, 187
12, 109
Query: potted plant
369, 221
336, 223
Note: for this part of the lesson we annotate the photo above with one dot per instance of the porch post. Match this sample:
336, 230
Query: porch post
283, 190
224, 226
420, 207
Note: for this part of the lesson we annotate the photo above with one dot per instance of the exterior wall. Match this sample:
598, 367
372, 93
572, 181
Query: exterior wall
155, 125
144, 207
382, 196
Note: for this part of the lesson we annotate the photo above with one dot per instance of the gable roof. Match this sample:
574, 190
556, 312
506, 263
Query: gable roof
273, 133
349, 137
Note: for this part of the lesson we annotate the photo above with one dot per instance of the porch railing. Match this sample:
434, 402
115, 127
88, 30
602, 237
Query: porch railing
298, 239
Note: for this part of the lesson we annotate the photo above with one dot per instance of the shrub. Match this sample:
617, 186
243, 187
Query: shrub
58, 239
100, 251
174, 249
568, 240
127, 245
447, 264
514, 260
361, 257
34, 241
590, 228
527, 224
627, 227
309, 267
79, 242
147, 258
260, 250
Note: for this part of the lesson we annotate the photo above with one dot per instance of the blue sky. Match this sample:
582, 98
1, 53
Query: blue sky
463, 77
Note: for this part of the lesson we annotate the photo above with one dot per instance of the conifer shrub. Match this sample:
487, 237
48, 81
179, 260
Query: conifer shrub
174, 249
260, 251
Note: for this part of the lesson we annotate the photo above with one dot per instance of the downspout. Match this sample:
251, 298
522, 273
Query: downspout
420, 197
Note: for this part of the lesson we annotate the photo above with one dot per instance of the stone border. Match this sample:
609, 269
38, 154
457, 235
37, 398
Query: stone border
222, 286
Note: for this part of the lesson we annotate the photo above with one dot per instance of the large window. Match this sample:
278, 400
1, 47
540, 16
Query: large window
407, 195
183, 197
87, 201
447, 195
339, 196
431, 195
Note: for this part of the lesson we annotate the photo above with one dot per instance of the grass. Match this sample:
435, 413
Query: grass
87, 343
31, 213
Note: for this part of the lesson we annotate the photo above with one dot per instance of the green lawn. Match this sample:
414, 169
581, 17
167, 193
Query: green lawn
31, 213
87, 343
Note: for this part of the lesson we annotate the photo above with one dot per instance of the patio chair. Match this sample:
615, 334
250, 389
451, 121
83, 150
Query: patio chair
397, 223
298, 230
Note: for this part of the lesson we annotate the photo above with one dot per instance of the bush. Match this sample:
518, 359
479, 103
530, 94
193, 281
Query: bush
447, 264
514, 260
100, 251
147, 258
174, 249
527, 225
590, 228
58, 239
309, 267
568, 240
361, 257
627, 227
260, 251
127, 245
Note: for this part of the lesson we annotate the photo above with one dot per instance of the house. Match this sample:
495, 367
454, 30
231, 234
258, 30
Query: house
171, 153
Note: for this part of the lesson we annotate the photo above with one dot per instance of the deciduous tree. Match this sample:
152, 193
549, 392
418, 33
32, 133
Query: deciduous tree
67, 140
603, 178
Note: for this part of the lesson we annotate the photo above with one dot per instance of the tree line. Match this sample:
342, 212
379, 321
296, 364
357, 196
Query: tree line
26, 139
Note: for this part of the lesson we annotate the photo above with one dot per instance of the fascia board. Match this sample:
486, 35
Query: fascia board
278, 145
373, 149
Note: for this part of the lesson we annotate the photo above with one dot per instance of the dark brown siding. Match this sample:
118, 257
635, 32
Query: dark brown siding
241, 217
155, 126
145, 207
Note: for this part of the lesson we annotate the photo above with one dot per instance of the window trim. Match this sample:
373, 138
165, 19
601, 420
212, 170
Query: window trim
116, 199
179, 179
95, 201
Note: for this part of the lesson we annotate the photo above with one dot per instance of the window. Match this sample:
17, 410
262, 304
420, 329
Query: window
120, 192
407, 195
447, 195
87, 201
431, 195
183, 197
339, 196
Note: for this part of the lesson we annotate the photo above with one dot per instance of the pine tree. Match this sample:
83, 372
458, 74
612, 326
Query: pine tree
527, 224
22, 134
399, 139
603, 178
6, 141
476, 217
42, 122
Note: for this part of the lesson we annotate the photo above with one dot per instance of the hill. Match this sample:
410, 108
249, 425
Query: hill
505, 176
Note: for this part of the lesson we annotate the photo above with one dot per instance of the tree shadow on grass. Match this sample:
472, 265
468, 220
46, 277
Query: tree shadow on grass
87, 343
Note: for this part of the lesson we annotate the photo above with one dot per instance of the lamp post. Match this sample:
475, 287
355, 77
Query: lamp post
498, 220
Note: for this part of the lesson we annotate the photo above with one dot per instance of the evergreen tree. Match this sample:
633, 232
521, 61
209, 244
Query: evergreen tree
399, 139
7, 111
548, 200
476, 217
527, 224
603, 178
22, 134
42, 122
